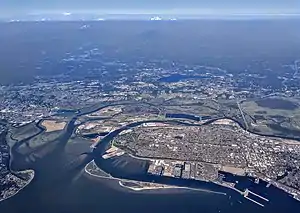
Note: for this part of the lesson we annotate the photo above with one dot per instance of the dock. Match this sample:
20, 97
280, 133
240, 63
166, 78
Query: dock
247, 192
254, 201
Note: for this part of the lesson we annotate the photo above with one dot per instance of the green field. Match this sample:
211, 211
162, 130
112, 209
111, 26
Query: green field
278, 116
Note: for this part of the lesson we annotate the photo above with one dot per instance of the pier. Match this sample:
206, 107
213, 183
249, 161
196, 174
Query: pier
247, 192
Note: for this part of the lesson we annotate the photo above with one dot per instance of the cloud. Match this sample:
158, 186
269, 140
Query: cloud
159, 7
149, 4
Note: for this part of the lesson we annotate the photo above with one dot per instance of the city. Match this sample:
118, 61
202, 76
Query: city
195, 114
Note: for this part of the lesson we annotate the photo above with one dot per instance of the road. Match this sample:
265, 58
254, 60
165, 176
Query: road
242, 113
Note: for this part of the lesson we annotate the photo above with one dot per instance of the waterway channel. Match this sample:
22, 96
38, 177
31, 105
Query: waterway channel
275, 195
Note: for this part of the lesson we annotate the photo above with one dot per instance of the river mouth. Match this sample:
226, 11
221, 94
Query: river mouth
124, 168
129, 167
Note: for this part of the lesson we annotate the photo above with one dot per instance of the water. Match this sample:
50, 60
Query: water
78, 193
62, 187
94, 135
184, 116
66, 112
87, 194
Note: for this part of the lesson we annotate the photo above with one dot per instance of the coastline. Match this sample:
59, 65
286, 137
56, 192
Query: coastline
32, 174
169, 187
148, 188
109, 177
236, 122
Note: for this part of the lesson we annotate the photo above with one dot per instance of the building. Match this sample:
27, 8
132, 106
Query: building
186, 172
177, 172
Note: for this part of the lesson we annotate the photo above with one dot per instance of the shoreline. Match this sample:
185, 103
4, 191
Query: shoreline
170, 187
287, 140
11, 172
147, 188
128, 126
25, 185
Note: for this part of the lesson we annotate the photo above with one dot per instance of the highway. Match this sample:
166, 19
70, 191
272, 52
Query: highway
242, 113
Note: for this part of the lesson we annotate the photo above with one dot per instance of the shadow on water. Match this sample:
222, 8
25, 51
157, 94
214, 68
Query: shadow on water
49, 150
53, 189
25, 140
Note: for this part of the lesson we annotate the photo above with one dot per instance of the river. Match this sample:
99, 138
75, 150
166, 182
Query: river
56, 188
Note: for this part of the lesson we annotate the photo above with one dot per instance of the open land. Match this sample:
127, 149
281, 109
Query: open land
52, 125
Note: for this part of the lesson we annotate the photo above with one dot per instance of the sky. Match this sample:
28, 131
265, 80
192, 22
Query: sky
9, 7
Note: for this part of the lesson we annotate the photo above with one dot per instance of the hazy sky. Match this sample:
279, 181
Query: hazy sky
140, 6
